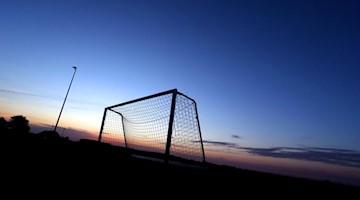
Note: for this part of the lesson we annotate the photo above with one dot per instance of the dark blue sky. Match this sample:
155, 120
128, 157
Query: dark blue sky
274, 73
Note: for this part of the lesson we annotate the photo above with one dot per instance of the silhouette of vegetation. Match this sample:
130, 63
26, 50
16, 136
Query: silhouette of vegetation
49, 135
19, 124
53, 161
3, 125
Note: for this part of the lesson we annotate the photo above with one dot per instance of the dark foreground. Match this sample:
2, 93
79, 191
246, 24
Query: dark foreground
34, 166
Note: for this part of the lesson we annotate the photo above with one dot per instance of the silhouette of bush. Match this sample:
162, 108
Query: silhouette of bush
18, 124
3, 125
49, 135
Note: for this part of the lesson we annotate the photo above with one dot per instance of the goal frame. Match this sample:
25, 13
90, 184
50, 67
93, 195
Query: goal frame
174, 93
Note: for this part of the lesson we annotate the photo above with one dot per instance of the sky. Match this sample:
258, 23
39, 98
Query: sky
276, 82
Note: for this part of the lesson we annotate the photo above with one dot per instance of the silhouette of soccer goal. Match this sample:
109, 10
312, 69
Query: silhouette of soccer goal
166, 123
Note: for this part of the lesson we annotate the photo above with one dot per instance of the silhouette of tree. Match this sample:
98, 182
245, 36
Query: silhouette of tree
3, 125
19, 124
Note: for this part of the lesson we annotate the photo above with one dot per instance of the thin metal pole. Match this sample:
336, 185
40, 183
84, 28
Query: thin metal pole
170, 128
102, 125
198, 123
123, 126
62, 107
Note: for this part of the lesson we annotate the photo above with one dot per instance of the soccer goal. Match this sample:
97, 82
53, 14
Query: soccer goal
166, 123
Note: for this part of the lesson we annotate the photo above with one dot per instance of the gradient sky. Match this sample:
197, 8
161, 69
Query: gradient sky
264, 74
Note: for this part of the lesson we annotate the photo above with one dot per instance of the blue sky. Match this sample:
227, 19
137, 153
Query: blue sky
273, 73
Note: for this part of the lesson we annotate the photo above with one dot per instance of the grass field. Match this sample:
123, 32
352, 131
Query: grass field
41, 166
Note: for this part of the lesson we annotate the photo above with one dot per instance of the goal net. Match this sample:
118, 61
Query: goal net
166, 123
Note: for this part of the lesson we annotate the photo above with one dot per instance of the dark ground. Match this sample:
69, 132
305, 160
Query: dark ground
57, 168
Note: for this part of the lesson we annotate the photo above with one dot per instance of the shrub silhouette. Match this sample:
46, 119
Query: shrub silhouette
18, 124
49, 135
3, 125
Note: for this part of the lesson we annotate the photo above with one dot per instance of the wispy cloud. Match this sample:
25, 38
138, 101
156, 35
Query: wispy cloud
73, 134
218, 143
236, 137
343, 157
22, 93
58, 98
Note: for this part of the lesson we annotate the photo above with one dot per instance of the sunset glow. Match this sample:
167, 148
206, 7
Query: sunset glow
276, 82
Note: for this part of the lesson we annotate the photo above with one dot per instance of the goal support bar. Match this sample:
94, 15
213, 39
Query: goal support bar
171, 121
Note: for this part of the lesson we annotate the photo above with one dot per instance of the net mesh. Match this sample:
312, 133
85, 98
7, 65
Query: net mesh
146, 124
112, 132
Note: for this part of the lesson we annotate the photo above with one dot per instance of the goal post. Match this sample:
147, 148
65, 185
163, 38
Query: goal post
166, 123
